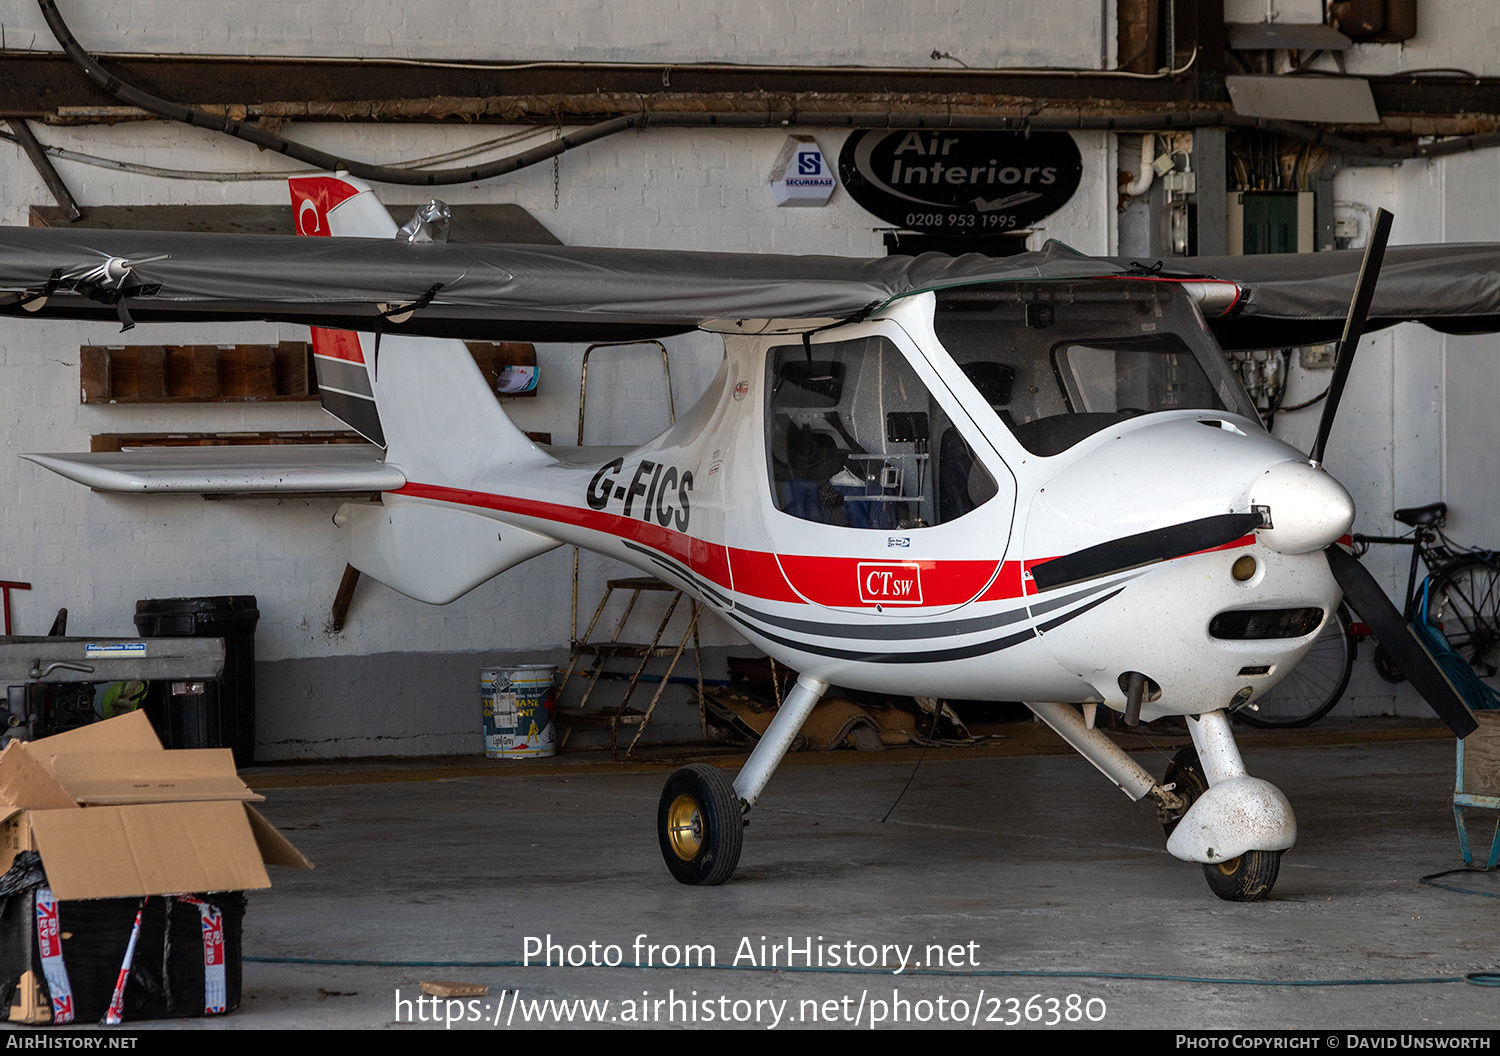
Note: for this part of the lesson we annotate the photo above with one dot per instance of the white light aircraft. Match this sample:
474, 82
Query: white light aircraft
1034, 479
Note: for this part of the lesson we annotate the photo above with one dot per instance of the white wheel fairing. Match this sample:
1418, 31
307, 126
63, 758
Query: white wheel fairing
1235, 816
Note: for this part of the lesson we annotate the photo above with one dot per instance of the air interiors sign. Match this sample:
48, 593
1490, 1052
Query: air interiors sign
960, 183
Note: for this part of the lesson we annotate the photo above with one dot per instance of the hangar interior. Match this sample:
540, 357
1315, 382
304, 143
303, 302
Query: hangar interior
1178, 129
396, 678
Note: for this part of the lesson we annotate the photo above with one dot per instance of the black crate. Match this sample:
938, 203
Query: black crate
167, 978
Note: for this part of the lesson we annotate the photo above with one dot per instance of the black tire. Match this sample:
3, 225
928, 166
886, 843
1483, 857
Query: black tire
1185, 774
1385, 667
700, 825
1465, 603
1248, 878
1314, 686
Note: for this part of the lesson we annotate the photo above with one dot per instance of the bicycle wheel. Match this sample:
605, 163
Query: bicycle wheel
1314, 686
1465, 605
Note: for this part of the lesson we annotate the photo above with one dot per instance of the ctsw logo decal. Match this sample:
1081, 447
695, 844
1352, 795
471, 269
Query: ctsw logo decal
652, 481
890, 582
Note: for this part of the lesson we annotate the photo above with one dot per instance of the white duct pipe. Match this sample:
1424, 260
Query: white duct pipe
1142, 183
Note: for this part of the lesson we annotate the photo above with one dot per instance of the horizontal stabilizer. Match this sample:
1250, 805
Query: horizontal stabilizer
230, 470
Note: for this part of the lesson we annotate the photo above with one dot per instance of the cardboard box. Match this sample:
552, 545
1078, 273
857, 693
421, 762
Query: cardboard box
114, 816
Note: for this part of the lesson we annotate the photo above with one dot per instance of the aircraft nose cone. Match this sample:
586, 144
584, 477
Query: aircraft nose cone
1309, 509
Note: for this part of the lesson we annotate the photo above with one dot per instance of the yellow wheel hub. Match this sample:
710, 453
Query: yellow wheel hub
685, 827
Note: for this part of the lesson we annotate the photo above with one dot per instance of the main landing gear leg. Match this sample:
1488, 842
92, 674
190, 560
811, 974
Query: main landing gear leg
701, 818
1240, 826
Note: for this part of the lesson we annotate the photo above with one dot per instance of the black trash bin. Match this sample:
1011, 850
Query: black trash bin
206, 714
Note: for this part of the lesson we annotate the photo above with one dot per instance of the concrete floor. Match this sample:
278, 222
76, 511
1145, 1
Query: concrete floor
1033, 864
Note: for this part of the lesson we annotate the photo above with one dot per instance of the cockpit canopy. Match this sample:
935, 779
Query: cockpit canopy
1058, 362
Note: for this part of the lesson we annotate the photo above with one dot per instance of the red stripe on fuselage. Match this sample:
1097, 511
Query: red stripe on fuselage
835, 581
758, 573
755, 573
709, 560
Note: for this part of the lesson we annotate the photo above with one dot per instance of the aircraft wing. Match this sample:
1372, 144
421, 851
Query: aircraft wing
527, 292
253, 468
1302, 298
574, 293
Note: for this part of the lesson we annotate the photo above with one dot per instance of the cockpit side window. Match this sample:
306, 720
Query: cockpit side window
1132, 375
854, 439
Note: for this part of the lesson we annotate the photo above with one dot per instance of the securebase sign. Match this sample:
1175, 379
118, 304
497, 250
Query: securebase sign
801, 175
960, 182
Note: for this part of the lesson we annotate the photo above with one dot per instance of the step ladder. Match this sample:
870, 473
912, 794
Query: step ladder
614, 649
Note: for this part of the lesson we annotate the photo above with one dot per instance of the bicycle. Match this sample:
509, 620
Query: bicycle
1464, 602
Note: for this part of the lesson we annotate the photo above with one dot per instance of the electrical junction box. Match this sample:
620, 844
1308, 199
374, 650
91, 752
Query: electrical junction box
801, 175
1270, 222
1319, 357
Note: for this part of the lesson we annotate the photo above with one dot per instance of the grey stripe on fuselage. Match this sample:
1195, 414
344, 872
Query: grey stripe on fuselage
931, 656
897, 631
343, 375
894, 631
668, 565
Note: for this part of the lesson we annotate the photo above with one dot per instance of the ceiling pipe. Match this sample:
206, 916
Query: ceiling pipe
1157, 122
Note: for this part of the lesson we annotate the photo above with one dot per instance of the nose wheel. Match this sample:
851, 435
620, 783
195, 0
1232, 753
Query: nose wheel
1248, 878
700, 825
1225, 810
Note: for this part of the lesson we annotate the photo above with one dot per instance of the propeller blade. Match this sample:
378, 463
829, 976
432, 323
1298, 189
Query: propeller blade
1133, 551
1354, 327
1390, 628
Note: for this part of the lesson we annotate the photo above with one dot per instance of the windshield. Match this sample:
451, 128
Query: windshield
1058, 362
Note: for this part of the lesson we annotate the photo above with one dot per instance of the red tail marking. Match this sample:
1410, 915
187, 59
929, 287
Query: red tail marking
337, 344
313, 197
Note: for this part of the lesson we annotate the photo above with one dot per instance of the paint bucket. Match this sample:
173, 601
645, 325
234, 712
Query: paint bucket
519, 712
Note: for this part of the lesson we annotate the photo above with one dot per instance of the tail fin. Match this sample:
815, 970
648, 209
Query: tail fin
421, 398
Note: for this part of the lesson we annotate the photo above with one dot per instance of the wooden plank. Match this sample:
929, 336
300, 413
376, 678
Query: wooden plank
150, 372
343, 598
1482, 756
93, 371
260, 371
516, 353
116, 441
205, 375
231, 370
179, 371
121, 365
196, 373
246, 372
291, 368
485, 359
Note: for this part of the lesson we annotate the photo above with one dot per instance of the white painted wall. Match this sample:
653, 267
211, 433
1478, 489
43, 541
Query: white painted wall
864, 32
1420, 406
98, 554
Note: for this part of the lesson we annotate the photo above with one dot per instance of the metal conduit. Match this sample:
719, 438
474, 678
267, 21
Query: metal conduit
1183, 119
